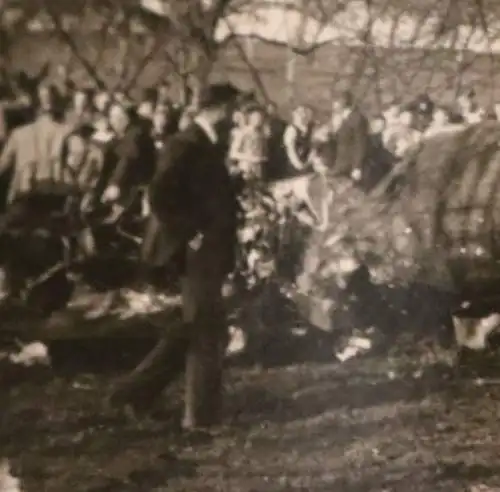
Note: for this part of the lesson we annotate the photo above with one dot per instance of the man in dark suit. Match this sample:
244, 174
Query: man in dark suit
193, 199
351, 136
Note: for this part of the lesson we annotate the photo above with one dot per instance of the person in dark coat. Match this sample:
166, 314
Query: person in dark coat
130, 158
276, 166
193, 199
352, 137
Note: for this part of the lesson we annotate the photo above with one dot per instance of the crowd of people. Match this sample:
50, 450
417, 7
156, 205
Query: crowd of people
263, 144
187, 174
103, 146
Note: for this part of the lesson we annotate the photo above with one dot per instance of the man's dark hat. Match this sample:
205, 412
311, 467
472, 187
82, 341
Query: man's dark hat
218, 95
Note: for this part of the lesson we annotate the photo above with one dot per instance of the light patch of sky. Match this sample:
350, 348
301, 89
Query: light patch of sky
276, 22
279, 25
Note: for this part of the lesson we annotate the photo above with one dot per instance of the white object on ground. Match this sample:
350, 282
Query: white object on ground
355, 346
31, 354
473, 334
237, 341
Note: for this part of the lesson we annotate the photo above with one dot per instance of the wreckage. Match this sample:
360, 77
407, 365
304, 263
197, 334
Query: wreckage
434, 221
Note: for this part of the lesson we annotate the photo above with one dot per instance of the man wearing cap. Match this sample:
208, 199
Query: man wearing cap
193, 201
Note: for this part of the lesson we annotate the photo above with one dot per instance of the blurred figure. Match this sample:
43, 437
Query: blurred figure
351, 133
121, 98
239, 123
103, 133
63, 83
422, 109
408, 136
132, 155
297, 140
102, 100
187, 118
342, 107
81, 110
391, 115
161, 127
163, 95
377, 126
33, 151
148, 103
276, 166
33, 154
249, 147
470, 108
81, 162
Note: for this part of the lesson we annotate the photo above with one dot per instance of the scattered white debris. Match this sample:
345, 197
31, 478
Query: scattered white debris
474, 334
362, 343
128, 303
8, 483
31, 354
299, 331
143, 303
237, 341
354, 347
418, 374
356, 175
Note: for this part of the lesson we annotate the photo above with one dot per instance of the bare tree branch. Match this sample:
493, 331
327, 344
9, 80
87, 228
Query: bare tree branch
67, 38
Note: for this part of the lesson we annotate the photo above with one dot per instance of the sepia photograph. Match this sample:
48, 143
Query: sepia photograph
249, 245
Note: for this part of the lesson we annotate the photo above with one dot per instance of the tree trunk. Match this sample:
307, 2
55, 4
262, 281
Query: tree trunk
290, 75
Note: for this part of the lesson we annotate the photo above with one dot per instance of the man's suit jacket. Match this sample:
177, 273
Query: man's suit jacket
192, 193
34, 154
352, 143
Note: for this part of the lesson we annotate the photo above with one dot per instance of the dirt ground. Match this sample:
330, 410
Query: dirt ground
370, 424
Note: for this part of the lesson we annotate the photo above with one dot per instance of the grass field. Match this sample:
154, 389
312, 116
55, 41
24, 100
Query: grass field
378, 424
373, 424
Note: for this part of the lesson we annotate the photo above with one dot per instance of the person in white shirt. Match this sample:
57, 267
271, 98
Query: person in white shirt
297, 139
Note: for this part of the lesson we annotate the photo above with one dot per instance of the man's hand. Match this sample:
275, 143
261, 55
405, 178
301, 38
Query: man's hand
111, 194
